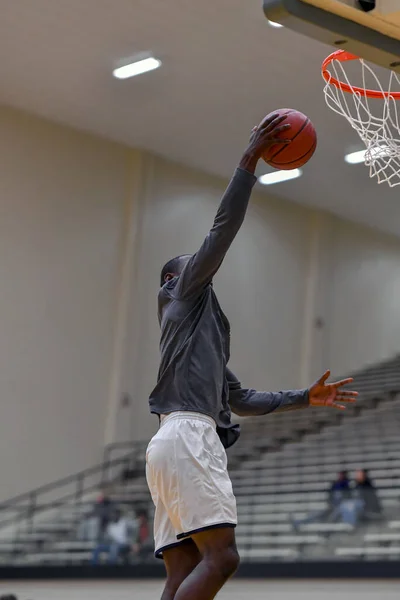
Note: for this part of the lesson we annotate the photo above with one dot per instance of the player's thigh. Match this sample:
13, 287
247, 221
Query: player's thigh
218, 544
181, 560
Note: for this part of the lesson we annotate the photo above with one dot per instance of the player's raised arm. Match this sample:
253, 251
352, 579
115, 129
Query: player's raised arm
248, 402
202, 266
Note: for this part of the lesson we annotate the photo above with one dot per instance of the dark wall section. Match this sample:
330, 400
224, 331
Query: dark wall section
297, 570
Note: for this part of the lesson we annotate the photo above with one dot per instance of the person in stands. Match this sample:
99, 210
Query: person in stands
364, 503
103, 510
94, 525
119, 539
366, 491
339, 490
144, 543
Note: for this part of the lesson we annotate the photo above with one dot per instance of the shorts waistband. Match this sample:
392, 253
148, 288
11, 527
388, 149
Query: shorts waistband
186, 414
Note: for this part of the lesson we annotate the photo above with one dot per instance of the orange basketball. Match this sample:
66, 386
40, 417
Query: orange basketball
300, 150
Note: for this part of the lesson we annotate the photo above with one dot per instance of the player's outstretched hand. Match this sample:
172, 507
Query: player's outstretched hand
331, 394
263, 137
267, 133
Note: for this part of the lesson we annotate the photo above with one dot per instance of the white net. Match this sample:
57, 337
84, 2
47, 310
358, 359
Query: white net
375, 119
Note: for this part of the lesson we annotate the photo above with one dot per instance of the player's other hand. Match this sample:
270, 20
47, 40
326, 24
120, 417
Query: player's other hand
263, 137
331, 394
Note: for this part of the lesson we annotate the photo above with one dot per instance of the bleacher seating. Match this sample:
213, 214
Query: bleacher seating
280, 470
273, 488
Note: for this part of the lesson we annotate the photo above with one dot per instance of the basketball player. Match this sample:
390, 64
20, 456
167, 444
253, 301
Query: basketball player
186, 461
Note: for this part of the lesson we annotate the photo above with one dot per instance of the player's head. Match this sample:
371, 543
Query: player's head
173, 268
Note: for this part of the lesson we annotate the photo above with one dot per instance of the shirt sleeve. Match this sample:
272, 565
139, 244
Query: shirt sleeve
248, 402
202, 266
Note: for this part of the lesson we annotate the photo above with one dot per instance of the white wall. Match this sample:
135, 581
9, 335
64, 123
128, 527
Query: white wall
62, 197
364, 307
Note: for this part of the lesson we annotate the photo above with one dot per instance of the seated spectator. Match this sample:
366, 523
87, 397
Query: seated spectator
104, 509
9, 597
366, 491
364, 504
119, 539
339, 490
144, 542
94, 525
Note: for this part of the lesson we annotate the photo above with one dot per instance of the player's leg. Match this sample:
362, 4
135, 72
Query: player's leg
219, 561
180, 557
179, 563
192, 491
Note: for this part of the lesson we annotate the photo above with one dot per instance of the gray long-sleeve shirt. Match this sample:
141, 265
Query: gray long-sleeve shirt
195, 333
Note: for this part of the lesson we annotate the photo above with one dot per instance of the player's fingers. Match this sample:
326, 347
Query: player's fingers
253, 133
343, 382
338, 406
279, 141
346, 394
324, 377
266, 121
281, 128
273, 124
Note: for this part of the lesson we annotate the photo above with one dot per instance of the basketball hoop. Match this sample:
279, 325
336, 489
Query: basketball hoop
373, 113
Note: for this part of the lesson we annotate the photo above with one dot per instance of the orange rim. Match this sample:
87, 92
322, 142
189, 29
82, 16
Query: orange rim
344, 56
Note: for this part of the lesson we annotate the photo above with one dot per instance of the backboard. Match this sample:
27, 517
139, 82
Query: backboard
368, 28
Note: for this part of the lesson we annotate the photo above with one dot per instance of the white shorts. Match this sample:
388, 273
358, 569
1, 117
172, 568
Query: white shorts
186, 469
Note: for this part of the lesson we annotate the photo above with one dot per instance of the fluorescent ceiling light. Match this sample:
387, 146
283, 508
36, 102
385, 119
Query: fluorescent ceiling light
274, 24
355, 158
137, 68
279, 176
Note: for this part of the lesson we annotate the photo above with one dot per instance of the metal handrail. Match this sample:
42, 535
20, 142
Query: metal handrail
27, 505
63, 481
